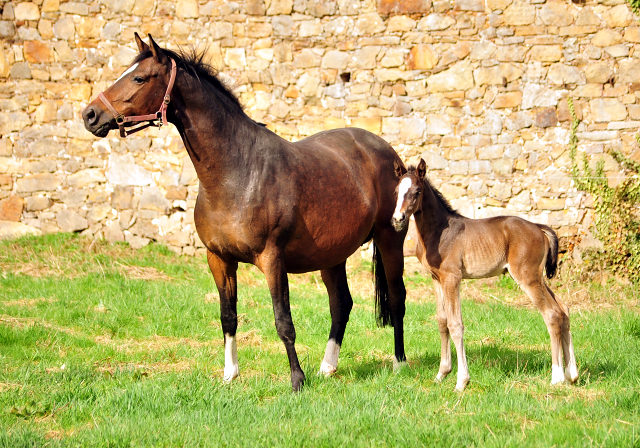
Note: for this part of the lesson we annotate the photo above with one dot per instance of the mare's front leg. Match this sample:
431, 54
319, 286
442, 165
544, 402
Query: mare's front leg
451, 297
225, 276
340, 304
272, 264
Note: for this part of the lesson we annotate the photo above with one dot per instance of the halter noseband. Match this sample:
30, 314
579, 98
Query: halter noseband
157, 119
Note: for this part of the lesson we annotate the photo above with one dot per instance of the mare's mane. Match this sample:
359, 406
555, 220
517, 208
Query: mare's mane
439, 196
194, 62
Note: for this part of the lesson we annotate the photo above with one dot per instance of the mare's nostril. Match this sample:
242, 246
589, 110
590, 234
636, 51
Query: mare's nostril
90, 116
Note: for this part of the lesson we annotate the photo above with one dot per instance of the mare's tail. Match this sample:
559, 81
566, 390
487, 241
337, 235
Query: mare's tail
552, 255
383, 312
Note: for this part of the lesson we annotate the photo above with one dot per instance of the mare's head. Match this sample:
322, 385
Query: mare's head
409, 191
140, 90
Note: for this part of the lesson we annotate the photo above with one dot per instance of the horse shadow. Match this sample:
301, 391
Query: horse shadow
508, 362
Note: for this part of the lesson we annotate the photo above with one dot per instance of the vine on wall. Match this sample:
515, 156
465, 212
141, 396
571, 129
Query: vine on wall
617, 209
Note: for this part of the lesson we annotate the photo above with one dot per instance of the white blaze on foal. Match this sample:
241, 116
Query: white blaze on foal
330, 362
231, 369
127, 71
404, 186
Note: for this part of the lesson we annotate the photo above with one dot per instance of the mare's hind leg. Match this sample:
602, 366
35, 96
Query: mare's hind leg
445, 339
225, 277
390, 244
340, 304
453, 307
556, 318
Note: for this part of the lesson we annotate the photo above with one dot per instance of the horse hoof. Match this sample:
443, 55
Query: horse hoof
327, 369
399, 365
440, 377
228, 377
571, 374
557, 375
297, 381
462, 387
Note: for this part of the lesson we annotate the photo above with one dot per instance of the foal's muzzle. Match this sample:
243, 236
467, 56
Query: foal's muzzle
399, 221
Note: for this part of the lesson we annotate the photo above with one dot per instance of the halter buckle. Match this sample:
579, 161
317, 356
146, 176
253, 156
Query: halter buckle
167, 98
120, 119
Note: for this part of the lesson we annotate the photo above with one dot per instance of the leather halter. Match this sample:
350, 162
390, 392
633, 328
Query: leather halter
158, 119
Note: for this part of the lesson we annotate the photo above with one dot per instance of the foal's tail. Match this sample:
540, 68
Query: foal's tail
552, 255
383, 312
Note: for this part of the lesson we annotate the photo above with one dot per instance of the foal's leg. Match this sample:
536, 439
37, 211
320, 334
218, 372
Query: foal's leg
272, 264
453, 307
445, 339
390, 244
225, 277
340, 304
555, 316
570, 367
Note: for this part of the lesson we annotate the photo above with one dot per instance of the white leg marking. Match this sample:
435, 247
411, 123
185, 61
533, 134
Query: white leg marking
557, 375
404, 186
127, 71
571, 372
231, 369
440, 377
398, 365
330, 362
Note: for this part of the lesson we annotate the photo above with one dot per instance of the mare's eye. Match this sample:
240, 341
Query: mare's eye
138, 79
417, 193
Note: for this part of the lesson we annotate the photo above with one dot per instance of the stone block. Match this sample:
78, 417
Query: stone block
32, 183
153, 199
26, 11
71, 221
306, 59
371, 124
10, 230
546, 117
606, 38
396, 7
628, 71
435, 22
11, 208
507, 100
556, 13
604, 110
550, 203
422, 57
277, 7
366, 57
368, 24
400, 23
37, 52
37, 203
458, 77
112, 233
335, 59
122, 170
122, 197
519, 13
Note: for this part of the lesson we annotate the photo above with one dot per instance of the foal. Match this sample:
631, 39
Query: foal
453, 247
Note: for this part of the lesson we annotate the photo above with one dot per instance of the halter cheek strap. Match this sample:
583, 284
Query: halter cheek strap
157, 119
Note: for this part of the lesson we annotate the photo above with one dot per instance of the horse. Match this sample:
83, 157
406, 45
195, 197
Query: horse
452, 247
266, 201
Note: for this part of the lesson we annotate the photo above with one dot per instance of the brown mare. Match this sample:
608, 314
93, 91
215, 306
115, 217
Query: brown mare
266, 201
453, 247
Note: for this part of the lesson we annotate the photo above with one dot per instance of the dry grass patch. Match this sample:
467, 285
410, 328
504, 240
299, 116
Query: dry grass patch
155, 344
28, 303
144, 369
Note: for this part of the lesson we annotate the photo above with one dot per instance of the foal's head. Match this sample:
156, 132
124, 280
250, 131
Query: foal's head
139, 90
409, 195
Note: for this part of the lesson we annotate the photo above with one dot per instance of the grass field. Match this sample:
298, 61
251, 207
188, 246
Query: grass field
104, 346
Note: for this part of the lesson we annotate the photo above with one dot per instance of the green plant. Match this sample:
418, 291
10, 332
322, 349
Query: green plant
617, 222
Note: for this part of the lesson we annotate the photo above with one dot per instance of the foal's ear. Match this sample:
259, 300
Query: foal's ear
157, 52
141, 45
422, 169
399, 169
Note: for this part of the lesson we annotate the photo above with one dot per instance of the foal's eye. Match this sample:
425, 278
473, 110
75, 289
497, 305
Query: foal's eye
138, 79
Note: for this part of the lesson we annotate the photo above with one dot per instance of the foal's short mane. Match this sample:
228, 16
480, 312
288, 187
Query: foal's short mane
439, 196
194, 62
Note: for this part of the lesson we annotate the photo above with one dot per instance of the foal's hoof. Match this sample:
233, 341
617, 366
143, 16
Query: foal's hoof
557, 375
571, 374
327, 369
440, 377
297, 381
461, 386
230, 375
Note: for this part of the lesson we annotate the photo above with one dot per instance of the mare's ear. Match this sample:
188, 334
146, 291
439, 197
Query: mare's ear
141, 45
157, 52
399, 169
422, 169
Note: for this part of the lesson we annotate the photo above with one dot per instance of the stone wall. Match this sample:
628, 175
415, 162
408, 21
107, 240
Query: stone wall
478, 88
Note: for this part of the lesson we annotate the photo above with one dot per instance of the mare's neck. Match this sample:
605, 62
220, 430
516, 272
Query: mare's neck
219, 137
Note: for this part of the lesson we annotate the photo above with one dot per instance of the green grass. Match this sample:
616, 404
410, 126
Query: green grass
104, 346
